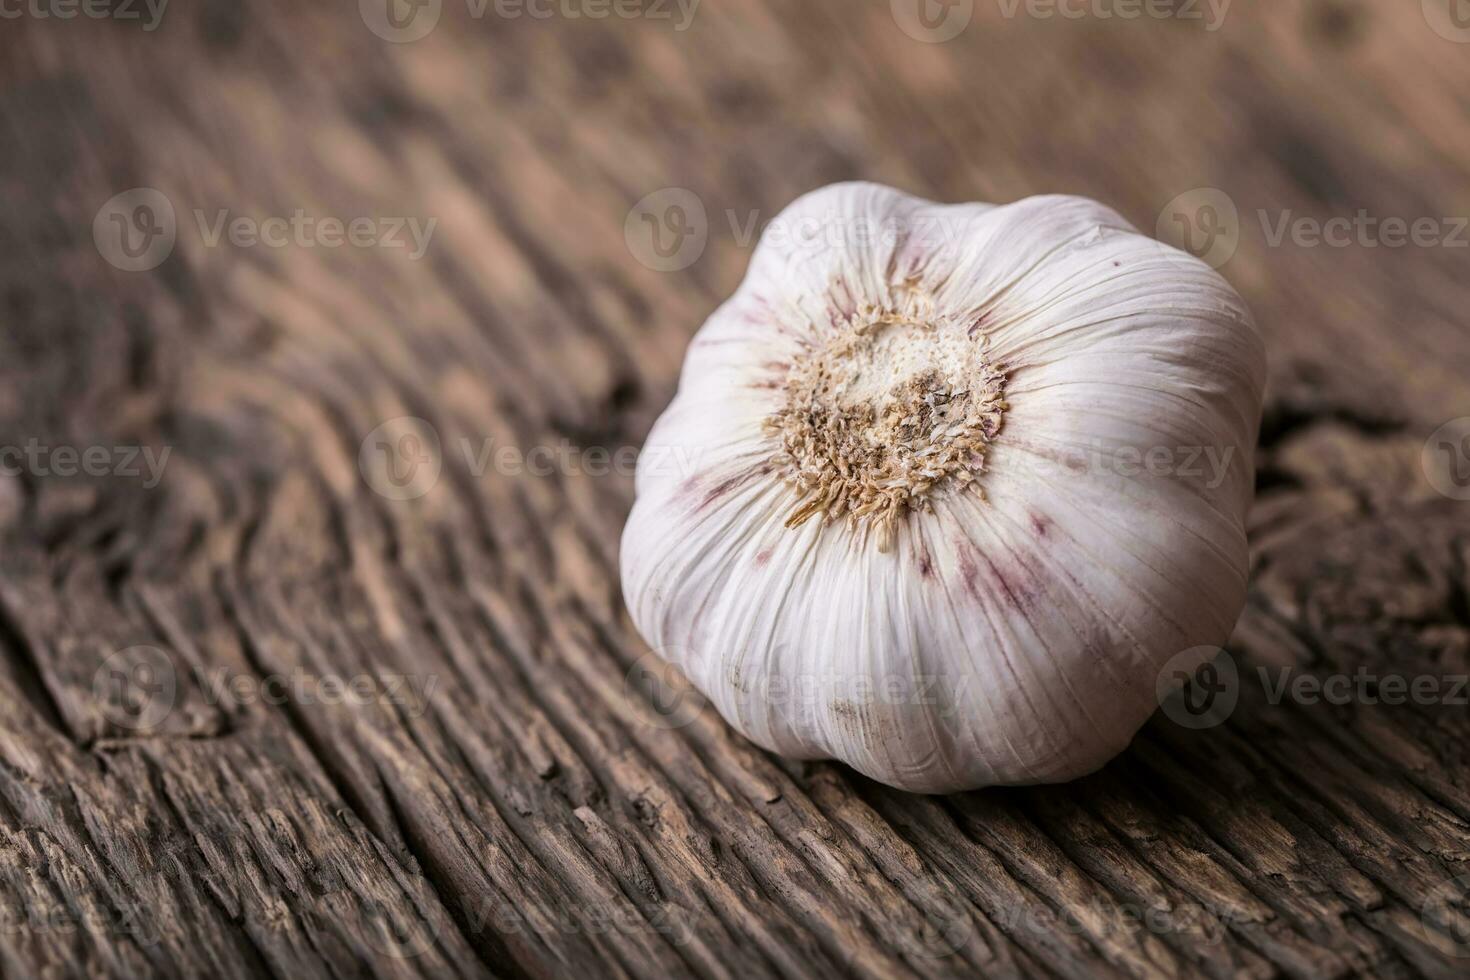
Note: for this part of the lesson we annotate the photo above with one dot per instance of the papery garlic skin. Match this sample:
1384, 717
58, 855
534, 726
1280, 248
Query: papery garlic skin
1014, 630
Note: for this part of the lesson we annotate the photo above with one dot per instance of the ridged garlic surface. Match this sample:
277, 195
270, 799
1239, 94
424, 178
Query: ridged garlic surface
957, 481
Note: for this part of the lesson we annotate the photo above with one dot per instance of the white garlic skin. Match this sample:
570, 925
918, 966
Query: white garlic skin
1005, 639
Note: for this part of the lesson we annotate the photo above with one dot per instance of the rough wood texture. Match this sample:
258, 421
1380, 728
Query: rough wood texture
498, 802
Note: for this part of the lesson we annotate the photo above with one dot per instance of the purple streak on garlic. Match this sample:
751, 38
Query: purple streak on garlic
921, 535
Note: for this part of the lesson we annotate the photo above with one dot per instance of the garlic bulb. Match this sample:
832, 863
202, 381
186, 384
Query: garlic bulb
964, 478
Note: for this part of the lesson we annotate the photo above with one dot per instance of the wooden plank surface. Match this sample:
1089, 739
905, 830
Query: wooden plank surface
257, 717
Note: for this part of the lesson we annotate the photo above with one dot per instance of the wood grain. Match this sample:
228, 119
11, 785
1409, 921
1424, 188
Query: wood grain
496, 797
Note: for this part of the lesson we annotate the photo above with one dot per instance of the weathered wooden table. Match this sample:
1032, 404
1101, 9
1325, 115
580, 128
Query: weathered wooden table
259, 715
